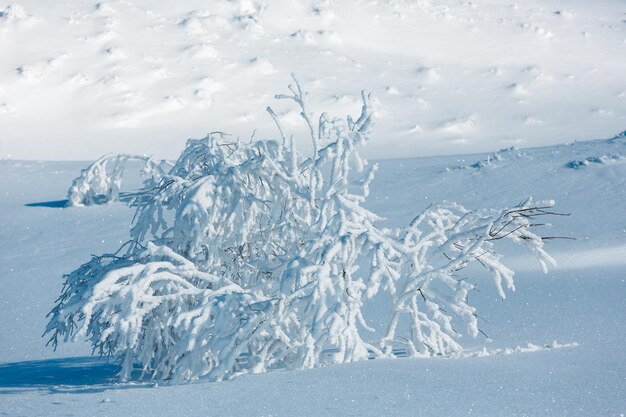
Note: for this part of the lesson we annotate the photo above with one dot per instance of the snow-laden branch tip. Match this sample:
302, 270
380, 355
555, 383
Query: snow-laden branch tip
100, 182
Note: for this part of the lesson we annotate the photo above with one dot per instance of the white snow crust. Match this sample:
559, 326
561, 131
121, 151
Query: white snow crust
80, 79
556, 345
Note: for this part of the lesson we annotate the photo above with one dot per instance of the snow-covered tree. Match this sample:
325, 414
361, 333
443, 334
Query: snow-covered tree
249, 257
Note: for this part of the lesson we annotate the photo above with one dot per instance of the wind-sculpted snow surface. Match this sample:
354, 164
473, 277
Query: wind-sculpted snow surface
453, 77
249, 257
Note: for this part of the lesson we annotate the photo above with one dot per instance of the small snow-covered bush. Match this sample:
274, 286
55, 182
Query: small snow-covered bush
100, 182
249, 257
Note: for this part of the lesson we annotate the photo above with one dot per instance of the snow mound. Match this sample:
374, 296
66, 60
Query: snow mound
459, 125
494, 160
530, 347
316, 37
597, 160
618, 138
14, 13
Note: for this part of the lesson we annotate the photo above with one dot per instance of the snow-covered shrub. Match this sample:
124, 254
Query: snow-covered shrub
249, 257
101, 181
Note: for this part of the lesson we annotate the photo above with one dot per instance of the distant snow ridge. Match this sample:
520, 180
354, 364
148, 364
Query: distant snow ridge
14, 15
530, 347
616, 157
492, 160
600, 160
249, 14
619, 137
14, 12
315, 37
248, 257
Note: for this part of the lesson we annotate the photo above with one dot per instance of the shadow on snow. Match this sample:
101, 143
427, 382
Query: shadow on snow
78, 375
124, 197
49, 204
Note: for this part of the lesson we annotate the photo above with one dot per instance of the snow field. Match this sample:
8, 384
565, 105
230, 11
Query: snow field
448, 76
580, 302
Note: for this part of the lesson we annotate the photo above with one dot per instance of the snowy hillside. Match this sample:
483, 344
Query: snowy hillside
573, 317
78, 79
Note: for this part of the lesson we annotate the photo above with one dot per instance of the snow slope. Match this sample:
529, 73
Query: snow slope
580, 305
78, 79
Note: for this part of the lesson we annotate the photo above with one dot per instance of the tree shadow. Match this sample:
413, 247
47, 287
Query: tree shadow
124, 197
76, 375
49, 204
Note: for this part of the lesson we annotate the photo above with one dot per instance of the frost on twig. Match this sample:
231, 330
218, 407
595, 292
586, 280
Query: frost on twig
249, 257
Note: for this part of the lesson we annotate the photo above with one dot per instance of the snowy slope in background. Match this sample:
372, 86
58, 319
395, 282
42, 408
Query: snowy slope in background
78, 79
582, 301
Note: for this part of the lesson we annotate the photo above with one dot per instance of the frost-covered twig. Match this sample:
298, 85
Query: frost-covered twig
100, 182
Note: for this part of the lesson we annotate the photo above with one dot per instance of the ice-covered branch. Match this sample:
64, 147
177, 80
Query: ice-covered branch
100, 182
